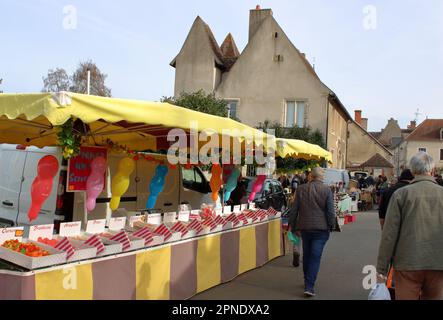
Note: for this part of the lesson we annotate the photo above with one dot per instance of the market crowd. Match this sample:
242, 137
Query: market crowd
411, 218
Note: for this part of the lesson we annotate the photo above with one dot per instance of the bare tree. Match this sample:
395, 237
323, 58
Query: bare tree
57, 80
97, 85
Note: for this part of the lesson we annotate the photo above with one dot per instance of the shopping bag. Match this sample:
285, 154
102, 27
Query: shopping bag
379, 292
293, 238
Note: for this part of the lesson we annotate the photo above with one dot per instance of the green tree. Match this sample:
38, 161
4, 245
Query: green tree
200, 101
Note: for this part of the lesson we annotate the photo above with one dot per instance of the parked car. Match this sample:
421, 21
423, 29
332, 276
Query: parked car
271, 194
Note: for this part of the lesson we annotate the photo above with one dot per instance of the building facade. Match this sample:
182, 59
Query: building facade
270, 80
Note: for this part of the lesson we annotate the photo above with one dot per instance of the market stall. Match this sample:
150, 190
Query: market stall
176, 270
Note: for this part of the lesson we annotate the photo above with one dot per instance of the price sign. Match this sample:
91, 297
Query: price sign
169, 217
135, 219
41, 231
227, 210
219, 212
70, 229
11, 234
116, 224
183, 216
244, 207
96, 226
252, 205
154, 218
237, 209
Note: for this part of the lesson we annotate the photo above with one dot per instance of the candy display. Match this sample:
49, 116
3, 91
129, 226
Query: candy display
30, 249
49, 242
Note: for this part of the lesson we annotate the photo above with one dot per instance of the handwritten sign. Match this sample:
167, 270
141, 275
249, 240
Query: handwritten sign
135, 219
219, 212
227, 210
244, 207
79, 167
41, 231
11, 234
70, 229
169, 217
184, 216
154, 218
252, 205
116, 224
96, 226
237, 209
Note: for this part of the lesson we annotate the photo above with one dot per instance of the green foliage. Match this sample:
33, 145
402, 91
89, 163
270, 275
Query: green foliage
200, 101
68, 140
290, 165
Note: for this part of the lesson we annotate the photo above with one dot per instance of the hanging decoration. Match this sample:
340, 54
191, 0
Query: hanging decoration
95, 182
156, 186
258, 184
68, 140
231, 183
216, 181
120, 182
41, 188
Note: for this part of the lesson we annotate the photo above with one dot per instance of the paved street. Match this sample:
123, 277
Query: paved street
340, 275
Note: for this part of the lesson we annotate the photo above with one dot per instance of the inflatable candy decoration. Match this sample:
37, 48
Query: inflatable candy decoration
258, 184
95, 182
120, 182
216, 181
156, 186
41, 187
232, 183
227, 169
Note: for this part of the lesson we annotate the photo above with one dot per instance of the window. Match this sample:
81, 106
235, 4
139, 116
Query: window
193, 179
232, 108
421, 149
295, 114
441, 154
441, 134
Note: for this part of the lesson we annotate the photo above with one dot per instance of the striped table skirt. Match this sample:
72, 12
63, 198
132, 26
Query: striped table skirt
172, 271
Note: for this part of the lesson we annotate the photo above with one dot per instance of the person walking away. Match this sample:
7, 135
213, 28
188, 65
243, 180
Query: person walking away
405, 178
312, 217
412, 236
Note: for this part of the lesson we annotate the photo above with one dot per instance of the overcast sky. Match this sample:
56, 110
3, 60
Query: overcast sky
387, 62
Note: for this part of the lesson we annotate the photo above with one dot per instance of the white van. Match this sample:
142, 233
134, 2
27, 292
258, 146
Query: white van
18, 170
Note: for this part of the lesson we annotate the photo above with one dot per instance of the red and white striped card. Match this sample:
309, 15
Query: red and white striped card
262, 213
195, 214
233, 218
66, 246
209, 222
123, 238
251, 214
220, 221
144, 233
195, 225
272, 211
164, 231
180, 227
94, 241
242, 217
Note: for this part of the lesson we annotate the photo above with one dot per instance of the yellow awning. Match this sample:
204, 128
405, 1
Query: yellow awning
301, 149
30, 119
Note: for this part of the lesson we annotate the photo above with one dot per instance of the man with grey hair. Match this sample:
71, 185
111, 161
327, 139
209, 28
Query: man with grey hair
312, 217
412, 238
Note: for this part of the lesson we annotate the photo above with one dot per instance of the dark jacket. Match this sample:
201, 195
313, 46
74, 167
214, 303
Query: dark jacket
386, 196
314, 208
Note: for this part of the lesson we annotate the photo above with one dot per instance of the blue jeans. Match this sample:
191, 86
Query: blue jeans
313, 243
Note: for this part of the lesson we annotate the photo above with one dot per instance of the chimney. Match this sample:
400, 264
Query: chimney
357, 117
412, 125
256, 17
364, 123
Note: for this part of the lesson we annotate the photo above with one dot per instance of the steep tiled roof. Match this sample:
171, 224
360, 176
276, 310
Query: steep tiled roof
377, 161
427, 130
230, 51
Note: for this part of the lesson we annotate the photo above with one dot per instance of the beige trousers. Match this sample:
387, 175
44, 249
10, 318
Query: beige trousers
418, 285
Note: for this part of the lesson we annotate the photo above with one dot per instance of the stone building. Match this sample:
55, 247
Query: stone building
269, 80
